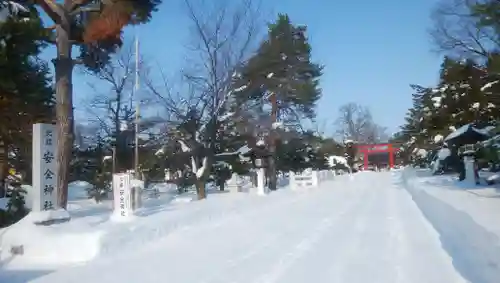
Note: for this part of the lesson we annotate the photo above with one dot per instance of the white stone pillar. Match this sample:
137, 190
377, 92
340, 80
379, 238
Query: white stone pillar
261, 180
122, 197
470, 177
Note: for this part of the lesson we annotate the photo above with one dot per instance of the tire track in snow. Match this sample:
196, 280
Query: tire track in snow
308, 242
297, 252
346, 238
356, 249
398, 243
261, 245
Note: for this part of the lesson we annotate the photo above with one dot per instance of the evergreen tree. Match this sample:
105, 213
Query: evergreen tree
26, 95
290, 155
464, 94
283, 72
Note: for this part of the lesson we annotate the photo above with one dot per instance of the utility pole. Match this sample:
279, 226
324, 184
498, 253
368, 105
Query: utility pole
137, 102
137, 193
136, 153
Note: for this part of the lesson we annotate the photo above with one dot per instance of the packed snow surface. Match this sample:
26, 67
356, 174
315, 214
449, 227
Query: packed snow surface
365, 229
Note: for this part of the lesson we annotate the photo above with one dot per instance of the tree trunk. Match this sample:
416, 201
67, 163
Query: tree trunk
273, 180
3, 168
272, 145
200, 182
253, 178
200, 188
64, 110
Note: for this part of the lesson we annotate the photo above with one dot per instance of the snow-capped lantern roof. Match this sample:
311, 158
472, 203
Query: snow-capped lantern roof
467, 134
348, 141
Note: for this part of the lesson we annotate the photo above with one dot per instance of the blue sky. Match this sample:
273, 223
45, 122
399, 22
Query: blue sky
372, 51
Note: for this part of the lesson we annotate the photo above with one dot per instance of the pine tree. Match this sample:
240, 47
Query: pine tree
283, 72
95, 27
465, 93
26, 95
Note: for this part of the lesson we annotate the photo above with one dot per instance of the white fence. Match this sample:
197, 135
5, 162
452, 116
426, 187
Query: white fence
309, 178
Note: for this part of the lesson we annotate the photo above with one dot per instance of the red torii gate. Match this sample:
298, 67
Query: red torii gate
366, 149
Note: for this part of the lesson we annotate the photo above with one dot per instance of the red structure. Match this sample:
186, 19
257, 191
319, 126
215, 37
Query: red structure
367, 149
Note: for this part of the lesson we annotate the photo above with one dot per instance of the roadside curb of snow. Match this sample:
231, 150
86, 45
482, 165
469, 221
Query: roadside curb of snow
474, 250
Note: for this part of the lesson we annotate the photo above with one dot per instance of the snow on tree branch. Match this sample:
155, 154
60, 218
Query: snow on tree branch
184, 146
201, 171
10, 9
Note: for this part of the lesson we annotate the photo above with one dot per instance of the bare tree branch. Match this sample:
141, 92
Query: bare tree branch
456, 31
221, 46
117, 104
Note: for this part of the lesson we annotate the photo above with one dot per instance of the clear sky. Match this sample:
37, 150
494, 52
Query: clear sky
372, 50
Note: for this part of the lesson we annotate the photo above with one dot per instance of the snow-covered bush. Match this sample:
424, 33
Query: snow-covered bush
15, 209
101, 186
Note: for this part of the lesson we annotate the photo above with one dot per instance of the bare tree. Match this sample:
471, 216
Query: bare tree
223, 37
456, 30
355, 122
376, 134
114, 108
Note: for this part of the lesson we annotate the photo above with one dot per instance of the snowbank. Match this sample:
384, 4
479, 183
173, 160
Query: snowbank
91, 232
474, 245
48, 245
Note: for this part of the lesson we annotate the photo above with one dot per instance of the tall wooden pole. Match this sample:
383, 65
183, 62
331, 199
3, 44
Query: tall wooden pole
136, 153
137, 200
137, 116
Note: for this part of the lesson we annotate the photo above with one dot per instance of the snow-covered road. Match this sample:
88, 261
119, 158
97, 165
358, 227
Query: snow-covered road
366, 230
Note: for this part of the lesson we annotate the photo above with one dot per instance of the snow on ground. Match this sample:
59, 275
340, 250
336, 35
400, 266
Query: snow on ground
366, 229
90, 230
481, 202
466, 218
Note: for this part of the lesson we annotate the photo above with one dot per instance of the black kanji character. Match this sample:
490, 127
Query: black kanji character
48, 134
48, 205
48, 141
48, 157
123, 213
48, 189
48, 174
